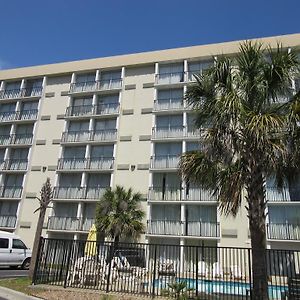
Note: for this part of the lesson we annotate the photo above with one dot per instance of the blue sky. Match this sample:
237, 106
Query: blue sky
48, 31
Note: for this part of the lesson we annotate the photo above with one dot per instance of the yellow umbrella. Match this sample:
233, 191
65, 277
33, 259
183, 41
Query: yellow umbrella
90, 248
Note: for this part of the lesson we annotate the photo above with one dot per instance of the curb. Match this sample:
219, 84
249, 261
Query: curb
10, 294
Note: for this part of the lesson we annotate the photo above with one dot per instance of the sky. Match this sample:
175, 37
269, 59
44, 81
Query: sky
38, 32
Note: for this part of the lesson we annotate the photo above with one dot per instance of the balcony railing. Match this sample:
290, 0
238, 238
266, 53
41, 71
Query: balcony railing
170, 78
164, 227
21, 138
168, 104
8, 221
93, 163
201, 229
199, 194
87, 110
16, 139
165, 193
283, 231
188, 228
7, 116
21, 93
11, 192
90, 192
14, 164
192, 132
68, 192
164, 162
164, 132
30, 114
64, 223
90, 86
284, 195
89, 135
70, 223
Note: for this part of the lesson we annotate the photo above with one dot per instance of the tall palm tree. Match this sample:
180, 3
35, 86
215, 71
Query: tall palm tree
250, 134
118, 214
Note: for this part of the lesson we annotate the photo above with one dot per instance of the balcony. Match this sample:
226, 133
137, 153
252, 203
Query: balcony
70, 223
14, 165
21, 93
165, 193
5, 139
104, 135
159, 162
93, 163
202, 229
284, 195
8, 221
168, 132
168, 104
169, 78
179, 228
11, 192
92, 110
94, 86
164, 227
192, 132
64, 223
26, 115
90, 192
199, 194
21, 139
283, 231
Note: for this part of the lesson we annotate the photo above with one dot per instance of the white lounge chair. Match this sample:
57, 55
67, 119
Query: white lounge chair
236, 272
166, 268
217, 270
203, 269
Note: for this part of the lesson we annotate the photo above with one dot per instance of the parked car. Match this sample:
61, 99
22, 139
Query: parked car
13, 251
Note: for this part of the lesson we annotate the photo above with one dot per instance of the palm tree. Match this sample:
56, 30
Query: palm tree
251, 134
118, 214
44, 200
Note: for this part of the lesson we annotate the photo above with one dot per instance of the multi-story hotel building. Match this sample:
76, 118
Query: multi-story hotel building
93, 124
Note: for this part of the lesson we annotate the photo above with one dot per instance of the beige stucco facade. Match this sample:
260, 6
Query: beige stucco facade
116, 120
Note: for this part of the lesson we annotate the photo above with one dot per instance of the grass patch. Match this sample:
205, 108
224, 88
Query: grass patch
18, 284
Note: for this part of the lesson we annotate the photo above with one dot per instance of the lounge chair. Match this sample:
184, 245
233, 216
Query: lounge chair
236, 272
217, 270
203, 270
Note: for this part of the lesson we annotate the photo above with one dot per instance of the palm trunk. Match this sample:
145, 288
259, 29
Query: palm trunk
36, 242
257, 224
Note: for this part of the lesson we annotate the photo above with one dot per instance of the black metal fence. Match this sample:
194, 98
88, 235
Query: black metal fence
200, 272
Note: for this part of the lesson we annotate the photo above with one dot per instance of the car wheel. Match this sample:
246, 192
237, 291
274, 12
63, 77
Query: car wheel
26, 264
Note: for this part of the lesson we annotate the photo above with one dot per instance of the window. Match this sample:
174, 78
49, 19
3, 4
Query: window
18, 244
4, 243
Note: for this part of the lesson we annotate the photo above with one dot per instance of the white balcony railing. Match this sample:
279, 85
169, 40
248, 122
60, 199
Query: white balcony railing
11, 191
164, 132
164, 162
164, 227
282, 195
168, 104
90, 86
87, 223
88, 110
170, 78
64, 223
94, 192
283, 231
201, 229
165, 193
68, 192
199, 194
8, 221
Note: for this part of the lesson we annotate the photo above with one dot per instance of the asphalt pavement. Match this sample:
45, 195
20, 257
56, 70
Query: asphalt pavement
11, 273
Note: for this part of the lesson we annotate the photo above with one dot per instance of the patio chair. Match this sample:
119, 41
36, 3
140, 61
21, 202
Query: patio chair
236, 272
217, 270
166, 268
203, 269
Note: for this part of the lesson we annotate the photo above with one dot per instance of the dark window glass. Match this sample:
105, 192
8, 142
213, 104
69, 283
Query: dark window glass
3, 243
18, 244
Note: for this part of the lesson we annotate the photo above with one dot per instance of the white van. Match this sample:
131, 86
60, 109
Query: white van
13, 252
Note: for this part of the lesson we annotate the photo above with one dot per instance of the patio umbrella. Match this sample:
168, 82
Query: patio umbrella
90, 248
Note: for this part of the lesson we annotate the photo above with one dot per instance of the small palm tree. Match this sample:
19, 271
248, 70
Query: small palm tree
118, 214
251, 135
45, 199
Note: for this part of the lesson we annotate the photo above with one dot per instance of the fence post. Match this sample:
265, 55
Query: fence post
111, 256
41, 242
68, 263
250, 272
154, 271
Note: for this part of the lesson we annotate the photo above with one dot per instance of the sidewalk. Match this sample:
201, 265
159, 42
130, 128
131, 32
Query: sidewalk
14, 295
